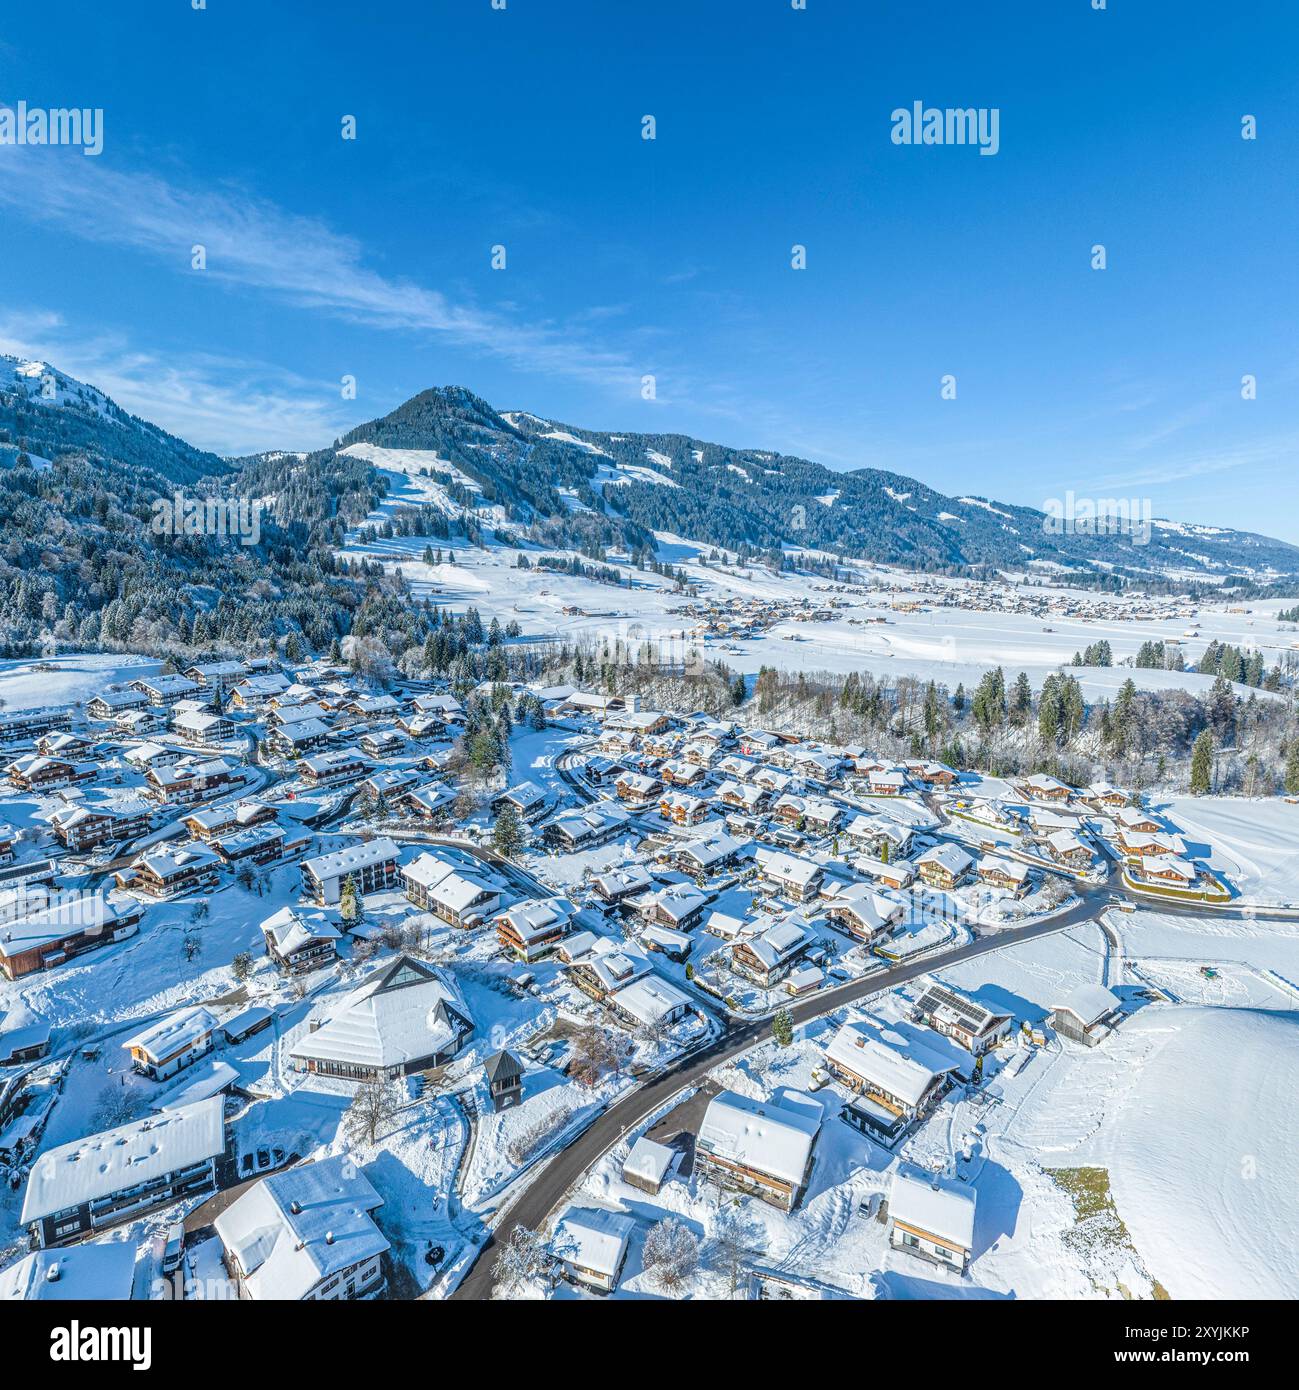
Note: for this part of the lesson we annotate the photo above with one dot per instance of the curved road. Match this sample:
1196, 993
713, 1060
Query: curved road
535, 1203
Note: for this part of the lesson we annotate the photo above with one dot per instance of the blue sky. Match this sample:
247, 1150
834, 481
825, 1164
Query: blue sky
522, 127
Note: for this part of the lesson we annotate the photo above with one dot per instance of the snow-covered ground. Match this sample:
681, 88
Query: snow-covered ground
1254, 843
949, 644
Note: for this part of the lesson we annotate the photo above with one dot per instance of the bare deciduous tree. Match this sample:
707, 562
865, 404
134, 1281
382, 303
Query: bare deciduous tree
374, 1105
671, 1254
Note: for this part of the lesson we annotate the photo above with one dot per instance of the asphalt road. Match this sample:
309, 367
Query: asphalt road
544, 1193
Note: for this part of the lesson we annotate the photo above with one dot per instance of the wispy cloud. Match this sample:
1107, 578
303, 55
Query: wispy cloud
252, 242
224, 404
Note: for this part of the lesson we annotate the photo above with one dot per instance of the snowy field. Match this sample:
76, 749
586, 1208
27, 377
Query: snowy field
75, 679
948, 644
1253, 843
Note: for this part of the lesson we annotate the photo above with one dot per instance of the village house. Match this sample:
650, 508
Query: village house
1102, 796
683, 809
744, 796
642, 722
675, 773
50, 936
1066, 848
36, 773
944, 866
422, 726
66, 745
334, 768
456, 897
1133, 819
112, 703
388, 784
217, 676
610, 965
1141, 844
637, 789
370, 707
678, 905
1088, 1015
1040, 787
591, 1245
799, 880
895, 1082
1169, 869
161, 691
756, 1146
527, 799
444, 707
432, 803
768, 958
83, 826
650, 1002
585, 827
613, 885
371, 865
260, 844
886, 782
118, 1175
407, 1017
143, 756
202, 727
298, 941
163, 873
138, 723
932, 1220
1009, 874
299, 738
210, 824
892, 873
820, 817
709, 854
865, 912
967, 1022
256, 692
534, 928
307, 1233
171, 1044
189, 779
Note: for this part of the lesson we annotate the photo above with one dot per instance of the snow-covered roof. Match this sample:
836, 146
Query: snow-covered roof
593, 1238
427, 871
650, 999
396, 1016
759, 1135
1089, 1004
128, 1156
351, 859
789, 868
173, 1034
291, 929
1009, 868
297, 1227
525, 795
537, 916
947, 856
780, 942
939, 1210
99, 1271
649, 1160
906, 1071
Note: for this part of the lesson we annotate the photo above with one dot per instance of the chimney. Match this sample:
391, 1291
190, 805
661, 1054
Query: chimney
295, 1207
329, 1237
52, 1274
